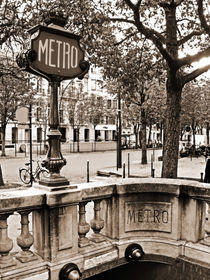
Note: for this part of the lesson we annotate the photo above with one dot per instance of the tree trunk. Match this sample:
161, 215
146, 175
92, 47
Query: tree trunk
193, 130
207, 133
136, 132
172, 131
140, 138
161, 132
143, 138
174, 85
3, 152
78, 139
149, 135
1, 177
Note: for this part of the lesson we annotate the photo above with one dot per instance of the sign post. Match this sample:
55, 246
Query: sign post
55, 55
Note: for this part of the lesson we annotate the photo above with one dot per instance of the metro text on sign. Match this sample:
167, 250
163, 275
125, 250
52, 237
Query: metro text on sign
57, 54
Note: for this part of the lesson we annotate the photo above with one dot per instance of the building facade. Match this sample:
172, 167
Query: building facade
87, 113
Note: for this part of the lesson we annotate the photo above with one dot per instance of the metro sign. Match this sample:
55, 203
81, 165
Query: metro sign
56, 52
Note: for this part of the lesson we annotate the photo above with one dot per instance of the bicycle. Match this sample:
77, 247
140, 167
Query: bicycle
39, 174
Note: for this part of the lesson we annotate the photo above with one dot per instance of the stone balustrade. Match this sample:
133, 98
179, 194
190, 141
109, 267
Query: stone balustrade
92, 224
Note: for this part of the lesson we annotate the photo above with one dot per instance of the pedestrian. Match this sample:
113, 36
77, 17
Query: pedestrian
207, 171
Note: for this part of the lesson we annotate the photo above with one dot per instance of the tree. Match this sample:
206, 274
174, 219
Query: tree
14, 92
174, 27
205, 107
96, 109
191, 109
138, 77
75, 108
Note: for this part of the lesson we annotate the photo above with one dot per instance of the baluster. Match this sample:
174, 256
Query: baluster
207, 225
83, 226
97, 223
25, 240
6, 243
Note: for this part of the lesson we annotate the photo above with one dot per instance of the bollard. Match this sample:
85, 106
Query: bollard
151, 163
153, 173
15, 149
123, 170
128, 165
88, 171
1, 177
153, 153
201, 176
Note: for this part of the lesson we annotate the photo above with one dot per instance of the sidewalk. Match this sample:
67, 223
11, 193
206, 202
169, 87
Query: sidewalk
189, 168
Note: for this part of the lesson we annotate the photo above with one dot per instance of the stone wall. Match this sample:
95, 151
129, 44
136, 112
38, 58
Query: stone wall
167, 218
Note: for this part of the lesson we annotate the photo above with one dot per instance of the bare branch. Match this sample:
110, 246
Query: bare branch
130, 4
173, 3
138, 4
188, 37
189, 77
126, 38
157, 34
151, 34
204, 24
121, 20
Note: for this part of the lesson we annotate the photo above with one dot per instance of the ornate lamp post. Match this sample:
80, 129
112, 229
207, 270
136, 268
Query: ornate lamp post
119, 130
55, 55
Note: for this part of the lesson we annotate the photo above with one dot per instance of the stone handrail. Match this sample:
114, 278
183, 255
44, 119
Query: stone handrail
168, 217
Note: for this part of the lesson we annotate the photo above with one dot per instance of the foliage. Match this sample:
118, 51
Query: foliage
110, 28
14, 92
195, 106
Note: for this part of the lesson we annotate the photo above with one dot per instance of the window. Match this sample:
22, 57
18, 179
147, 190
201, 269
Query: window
61, 115
76, 135
63, 133
39, 134
14, 134
27, 135
87, 133
109, 104
106, 135
112, 120
114, 104
38, 112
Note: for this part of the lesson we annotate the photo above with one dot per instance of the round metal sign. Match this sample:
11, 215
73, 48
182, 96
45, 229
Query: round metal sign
57, 52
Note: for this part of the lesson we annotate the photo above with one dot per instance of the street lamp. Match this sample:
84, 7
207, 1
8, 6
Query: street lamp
119, 132
56, 55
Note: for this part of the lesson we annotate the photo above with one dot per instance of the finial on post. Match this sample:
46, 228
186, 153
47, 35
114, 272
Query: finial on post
56, 18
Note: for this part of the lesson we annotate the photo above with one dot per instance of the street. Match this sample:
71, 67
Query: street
76, 168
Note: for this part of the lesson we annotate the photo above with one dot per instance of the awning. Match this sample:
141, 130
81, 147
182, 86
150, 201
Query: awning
105, 127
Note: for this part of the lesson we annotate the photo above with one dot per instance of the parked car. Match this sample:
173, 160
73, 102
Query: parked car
192, 150
205, 150
195, 151
184, 152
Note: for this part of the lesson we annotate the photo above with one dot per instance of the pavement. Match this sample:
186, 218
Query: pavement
188, 168
104, 165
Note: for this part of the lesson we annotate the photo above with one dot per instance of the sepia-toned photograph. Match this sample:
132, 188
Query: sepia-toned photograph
104, 139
